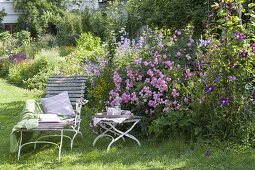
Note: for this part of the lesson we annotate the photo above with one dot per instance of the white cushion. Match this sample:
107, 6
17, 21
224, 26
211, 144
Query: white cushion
59, 104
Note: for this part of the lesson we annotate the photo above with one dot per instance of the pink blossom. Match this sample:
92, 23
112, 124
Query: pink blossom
175, 93
164, 56
179, 33
156, 61
138, 61
150, 73
147, 80
169, 64
146, 63
186, 100
117, 80
189, 44
125, 97
134, 97
187, 74
178, 54
166, 109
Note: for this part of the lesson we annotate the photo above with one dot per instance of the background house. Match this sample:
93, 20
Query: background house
10, 20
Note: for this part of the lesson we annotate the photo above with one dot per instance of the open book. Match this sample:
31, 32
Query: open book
49, 118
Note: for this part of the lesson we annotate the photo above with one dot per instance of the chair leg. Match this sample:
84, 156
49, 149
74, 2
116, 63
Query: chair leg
60, 146
20, 145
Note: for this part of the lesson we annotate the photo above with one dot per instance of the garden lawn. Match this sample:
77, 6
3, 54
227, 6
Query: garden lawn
171, 154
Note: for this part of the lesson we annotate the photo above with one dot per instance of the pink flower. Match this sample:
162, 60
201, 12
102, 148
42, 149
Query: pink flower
138, 61
169, 64
187, 74
186, 100
125, 97
175, 93
150, 73
146, 63
178, 54
189, 44
179, 33
134, 97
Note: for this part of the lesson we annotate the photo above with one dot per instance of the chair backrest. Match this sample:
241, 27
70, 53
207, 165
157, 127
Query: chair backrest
74, 85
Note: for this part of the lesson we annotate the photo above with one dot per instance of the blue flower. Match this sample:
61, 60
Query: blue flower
217, 78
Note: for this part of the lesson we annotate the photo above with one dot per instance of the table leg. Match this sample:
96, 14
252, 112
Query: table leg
122, 134
102, 135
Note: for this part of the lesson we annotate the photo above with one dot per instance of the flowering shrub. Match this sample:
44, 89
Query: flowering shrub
155, 85
225, 110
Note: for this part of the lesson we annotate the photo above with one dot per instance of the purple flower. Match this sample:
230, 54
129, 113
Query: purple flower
204, 79
223, 101
253, 95
243, 53
209, 89
239, 36
232, 78
204, 42
229, 6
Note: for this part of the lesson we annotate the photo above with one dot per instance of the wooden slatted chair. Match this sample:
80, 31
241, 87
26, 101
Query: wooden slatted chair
75, 86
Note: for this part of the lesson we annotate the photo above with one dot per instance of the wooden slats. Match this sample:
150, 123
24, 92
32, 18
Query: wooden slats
67, 84
78, 88
69, 92
74, 85
65, 81
66, 78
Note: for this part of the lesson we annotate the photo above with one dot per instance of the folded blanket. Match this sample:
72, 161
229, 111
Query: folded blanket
29, 120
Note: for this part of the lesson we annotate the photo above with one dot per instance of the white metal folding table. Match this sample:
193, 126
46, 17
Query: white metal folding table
109, 125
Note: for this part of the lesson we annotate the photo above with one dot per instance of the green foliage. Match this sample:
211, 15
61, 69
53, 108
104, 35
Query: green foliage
2, 15
175, 14
71, 65
89, 46
33, 73
36, 15
4, 67
102, 22
69, 28
18, 42
231, 73
65, 50
6, 40
98, 92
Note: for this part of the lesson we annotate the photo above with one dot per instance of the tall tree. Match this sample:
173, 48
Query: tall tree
36, 15
171, 13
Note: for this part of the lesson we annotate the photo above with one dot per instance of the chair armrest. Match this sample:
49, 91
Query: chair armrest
79, 104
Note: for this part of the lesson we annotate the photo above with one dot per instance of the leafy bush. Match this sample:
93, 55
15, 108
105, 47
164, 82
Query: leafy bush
4, 67
89, 47
34, 73
69, 28
65, 50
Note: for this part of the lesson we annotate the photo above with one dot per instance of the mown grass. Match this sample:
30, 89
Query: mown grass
171, 154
